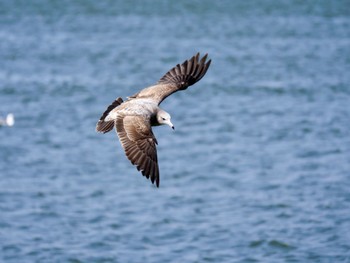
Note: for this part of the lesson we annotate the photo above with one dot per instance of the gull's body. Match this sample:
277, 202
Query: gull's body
135, 117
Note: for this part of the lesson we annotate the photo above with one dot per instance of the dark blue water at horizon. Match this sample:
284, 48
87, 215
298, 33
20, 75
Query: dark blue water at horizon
258, 169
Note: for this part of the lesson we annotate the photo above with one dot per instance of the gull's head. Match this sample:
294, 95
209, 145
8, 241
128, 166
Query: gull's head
164, 118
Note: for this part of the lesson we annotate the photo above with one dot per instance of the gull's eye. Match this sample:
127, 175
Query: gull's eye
163, 119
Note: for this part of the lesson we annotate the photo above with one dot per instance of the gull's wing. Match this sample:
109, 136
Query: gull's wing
136, 136
178, 78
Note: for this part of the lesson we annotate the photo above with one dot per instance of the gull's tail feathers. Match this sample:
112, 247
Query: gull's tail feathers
106, 126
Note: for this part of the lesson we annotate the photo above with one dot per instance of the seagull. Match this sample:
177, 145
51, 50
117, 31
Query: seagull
8, 121
134, 118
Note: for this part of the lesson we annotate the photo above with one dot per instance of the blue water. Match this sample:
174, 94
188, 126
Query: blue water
258, 169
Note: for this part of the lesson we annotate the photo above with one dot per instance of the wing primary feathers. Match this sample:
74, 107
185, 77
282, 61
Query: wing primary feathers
178, 78
139, 144
188, 73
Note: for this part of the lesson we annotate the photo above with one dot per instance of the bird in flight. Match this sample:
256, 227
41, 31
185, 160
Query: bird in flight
134, 118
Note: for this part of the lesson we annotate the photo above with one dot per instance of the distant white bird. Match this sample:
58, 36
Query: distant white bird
134, 118
8, 121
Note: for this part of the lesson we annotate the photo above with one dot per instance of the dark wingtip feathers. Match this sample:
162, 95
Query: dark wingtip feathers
188, 73
152, 175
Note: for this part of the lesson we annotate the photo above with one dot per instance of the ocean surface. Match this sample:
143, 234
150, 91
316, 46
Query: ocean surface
257, 170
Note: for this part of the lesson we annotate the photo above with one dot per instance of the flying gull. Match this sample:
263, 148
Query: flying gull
134, 118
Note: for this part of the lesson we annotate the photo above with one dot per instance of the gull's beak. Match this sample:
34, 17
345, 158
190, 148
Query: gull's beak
171, 125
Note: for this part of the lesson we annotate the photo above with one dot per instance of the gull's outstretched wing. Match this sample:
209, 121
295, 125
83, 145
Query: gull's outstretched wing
178, 78
136, 136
